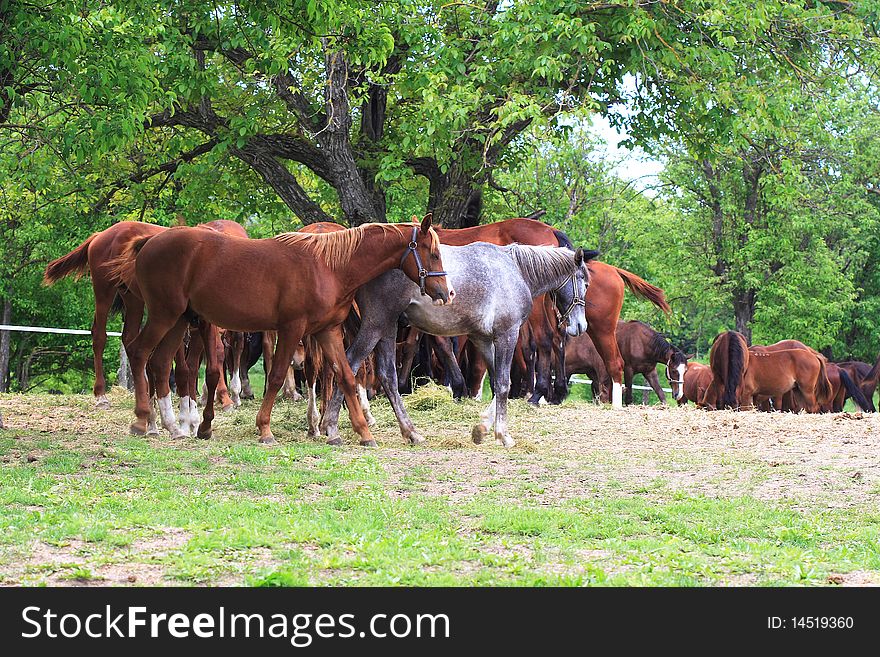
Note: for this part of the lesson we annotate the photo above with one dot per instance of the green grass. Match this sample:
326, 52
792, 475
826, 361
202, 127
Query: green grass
99, 506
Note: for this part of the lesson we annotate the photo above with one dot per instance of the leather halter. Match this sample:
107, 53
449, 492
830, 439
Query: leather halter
671, 380
575, 301
412, 247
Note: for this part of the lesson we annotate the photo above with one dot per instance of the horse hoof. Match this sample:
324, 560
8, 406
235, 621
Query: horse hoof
181, 435
336, 441
135, 430
102, 404
152, 432
478, 434
229, 408
205, 435
505, 441
368, 443
371, 421
416, 438
268, 440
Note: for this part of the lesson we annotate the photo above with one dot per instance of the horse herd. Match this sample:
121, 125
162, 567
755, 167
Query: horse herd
362, 308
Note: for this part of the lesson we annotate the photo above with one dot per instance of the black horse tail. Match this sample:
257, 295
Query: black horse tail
853, 391
562, 239
118, 305
728, 360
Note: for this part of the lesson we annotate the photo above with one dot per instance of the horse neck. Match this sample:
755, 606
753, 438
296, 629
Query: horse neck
379, 251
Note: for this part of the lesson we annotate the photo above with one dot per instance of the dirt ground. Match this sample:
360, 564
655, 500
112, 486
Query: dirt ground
562, 452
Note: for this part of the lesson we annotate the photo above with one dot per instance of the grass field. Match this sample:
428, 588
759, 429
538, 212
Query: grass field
645, 496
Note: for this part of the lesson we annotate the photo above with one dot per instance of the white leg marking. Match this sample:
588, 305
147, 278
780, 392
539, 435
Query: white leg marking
152, 429
365, 405
166, 412
235, 388
183, 419
102, 402
616, 396
313, 414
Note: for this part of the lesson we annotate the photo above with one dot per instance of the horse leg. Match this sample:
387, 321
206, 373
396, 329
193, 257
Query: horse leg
560, 382
236, 348
287, 343
311, 371
450, 365
410, 346
268, 344
543, 366
628, 375
160, 366
103, 301
139, 350
213, 373
222, 394
487, 417
334, 352
654, 382
504, 347
605, 341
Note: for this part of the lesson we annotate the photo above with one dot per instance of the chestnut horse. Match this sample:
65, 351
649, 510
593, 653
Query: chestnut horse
295, 283
697, 378
93, 257
604, 296
865, 377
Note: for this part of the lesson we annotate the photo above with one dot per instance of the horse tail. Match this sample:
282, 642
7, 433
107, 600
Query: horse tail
121, 268
76, 262
644, 289
562, 239
824, 391
118, 305
854, 392
728, 361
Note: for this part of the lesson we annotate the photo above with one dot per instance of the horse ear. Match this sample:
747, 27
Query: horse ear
426, 222
579, 257
590, 255
690, 356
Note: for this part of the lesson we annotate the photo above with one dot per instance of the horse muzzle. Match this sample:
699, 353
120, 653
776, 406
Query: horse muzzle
575, 329
444, 298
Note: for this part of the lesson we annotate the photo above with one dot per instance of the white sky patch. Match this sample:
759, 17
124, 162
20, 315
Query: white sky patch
631, 164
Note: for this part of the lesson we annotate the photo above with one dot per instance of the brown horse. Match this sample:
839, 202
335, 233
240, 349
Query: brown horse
775, 373
295, 283
728, 359
697, 378
642, 349
604, 296
581, 357
93, 257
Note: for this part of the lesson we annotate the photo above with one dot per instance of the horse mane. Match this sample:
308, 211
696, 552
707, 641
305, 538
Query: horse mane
541, 264
336, 248
659, 344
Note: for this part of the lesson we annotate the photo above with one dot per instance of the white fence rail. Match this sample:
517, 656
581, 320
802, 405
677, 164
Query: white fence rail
44, 329
577, 379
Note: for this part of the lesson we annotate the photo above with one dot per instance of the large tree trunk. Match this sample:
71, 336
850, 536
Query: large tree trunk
6, 318
744, 312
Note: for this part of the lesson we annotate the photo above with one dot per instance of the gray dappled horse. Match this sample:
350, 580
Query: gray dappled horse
495, 286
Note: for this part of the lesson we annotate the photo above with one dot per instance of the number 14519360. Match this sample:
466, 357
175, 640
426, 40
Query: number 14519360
810, 623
